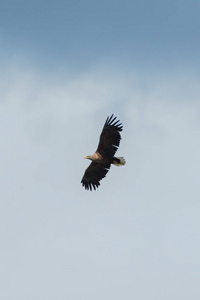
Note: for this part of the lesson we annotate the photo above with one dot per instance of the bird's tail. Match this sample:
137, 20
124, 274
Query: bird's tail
119, 161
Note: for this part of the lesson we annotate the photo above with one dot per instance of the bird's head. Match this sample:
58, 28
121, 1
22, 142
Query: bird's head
88, 157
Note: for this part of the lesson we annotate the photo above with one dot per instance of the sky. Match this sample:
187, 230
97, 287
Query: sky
65, 67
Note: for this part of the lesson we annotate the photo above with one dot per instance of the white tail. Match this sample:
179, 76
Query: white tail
121, 163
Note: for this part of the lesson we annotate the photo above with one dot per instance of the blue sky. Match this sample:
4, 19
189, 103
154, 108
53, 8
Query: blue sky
65, 67
87, 32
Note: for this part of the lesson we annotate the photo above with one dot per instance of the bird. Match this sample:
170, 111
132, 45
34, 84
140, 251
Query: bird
104, 156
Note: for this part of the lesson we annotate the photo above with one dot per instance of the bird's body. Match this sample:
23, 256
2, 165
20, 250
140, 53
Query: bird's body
104, 156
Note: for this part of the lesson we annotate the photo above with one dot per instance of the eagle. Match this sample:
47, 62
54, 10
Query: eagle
104, 156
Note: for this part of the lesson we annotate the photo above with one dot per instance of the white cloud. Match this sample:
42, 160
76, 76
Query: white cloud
60, 241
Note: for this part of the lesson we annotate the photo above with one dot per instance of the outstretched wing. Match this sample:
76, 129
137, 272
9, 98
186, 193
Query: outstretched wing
110, 137
93, 174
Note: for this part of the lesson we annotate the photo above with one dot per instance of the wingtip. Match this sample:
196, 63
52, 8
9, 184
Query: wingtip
110, 119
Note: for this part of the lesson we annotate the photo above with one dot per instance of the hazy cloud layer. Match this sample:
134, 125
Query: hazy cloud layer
137, 236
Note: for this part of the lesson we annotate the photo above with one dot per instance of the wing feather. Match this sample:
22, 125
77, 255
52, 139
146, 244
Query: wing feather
110, 137
93, 174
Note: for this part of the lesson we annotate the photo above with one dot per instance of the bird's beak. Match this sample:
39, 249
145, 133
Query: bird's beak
85, 157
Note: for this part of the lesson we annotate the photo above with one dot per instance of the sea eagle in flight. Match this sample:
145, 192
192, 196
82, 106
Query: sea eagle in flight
104, 156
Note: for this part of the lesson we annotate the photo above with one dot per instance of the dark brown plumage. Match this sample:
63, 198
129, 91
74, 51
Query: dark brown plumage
104, 156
